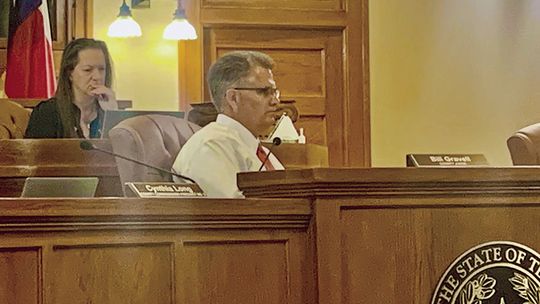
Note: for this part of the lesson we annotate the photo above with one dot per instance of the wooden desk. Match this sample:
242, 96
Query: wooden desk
21, 158
155, 251
387, 235
351, 236
301, 156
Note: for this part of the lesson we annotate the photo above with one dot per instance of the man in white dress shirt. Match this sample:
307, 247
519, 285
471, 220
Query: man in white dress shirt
245, 95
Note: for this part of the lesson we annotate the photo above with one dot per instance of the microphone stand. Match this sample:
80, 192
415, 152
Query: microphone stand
275, 142
85, 145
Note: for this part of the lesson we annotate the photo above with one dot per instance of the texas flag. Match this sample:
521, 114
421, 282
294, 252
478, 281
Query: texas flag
30, 66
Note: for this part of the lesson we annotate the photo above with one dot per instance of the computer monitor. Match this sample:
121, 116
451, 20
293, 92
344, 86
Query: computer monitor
114, 117
60, 187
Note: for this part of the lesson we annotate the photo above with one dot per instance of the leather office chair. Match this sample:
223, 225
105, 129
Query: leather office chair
202, 113
524, 146
154, 139
13, 120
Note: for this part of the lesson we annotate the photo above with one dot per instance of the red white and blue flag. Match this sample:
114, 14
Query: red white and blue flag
30, 65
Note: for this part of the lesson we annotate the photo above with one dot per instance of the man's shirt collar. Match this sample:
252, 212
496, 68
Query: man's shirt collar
242, 131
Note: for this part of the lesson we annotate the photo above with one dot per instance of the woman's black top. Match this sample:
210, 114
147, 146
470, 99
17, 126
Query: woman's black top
45, 122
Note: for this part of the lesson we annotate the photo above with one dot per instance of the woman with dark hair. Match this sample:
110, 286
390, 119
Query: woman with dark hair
83, 93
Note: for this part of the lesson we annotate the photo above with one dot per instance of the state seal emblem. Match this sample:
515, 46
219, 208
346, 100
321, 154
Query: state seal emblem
498, 272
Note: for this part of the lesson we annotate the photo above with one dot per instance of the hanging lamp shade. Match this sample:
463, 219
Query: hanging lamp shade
179, 28
124, 26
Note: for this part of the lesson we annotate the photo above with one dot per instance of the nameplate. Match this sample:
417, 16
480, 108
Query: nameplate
165, 190
446, 160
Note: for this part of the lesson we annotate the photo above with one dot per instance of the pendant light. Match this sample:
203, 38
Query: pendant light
179, 28
124, 26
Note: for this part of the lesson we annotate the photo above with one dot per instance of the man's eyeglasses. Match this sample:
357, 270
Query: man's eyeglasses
266, 91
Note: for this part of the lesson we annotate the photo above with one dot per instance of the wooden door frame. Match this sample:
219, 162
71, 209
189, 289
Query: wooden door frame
352, 19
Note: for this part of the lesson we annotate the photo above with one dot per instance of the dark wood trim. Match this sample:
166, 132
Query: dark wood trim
384, 182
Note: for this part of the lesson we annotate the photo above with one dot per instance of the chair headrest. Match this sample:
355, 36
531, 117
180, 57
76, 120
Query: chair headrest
524, 146
13, 120
153, 139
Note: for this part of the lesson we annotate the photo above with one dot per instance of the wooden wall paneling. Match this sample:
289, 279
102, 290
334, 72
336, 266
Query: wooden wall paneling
387, 235
128, 250
336, 126
111, 273
20, 275
3, 55
3, 59
65, 27
212, 270
328, 240
190, 61
81, 16
315, 128
60, 38
420, 241
217, 273
308, 70
300, 74
209, 57
357, 95
295, 156
273, 16
325, 5
390, 253
348, 17
302, 265
57, 58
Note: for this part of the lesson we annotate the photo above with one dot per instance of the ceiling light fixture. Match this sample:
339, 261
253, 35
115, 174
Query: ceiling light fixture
179, 28
124, 26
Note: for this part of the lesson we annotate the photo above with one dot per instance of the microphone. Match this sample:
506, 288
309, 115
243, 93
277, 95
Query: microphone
85, 145
275, 142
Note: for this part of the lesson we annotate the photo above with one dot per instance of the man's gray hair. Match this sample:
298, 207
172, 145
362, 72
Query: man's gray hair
230, 69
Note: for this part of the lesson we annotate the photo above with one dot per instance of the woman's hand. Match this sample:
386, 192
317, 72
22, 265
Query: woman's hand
106, 97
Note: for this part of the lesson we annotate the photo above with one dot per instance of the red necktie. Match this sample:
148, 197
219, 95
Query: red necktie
261, 154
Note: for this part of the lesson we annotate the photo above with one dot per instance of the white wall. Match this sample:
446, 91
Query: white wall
452, 76
146, 68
